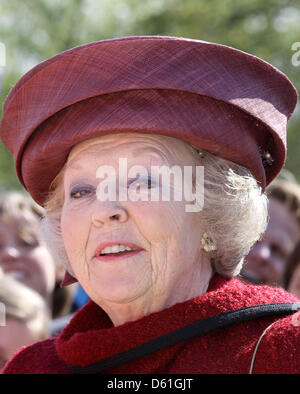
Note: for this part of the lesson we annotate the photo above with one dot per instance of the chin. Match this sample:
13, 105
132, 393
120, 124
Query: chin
122, 290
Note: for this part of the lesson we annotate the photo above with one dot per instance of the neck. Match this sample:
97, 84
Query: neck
193, 285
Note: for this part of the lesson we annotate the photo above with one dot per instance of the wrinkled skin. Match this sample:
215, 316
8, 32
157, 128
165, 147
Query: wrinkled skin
170, 268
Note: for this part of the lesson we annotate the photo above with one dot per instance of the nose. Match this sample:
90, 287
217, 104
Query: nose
108, 213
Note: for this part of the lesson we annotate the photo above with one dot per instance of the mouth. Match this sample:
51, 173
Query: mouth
116, 250
18, 275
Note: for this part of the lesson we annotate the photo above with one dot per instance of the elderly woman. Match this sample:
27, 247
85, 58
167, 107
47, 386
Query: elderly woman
88, 130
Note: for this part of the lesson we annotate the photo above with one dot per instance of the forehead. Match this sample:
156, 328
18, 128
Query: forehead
131, 144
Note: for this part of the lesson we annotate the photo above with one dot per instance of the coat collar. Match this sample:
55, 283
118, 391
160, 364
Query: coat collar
91, 336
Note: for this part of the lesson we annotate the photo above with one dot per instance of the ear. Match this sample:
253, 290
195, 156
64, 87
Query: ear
68, 280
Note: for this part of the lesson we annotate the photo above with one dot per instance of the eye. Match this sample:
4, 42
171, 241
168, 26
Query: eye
81, 191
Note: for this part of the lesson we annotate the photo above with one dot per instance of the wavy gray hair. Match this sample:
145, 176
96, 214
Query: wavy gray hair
234, 215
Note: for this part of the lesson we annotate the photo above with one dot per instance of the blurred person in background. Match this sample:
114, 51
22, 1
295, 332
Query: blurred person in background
267, 260
26, 317
291, 277
24, 254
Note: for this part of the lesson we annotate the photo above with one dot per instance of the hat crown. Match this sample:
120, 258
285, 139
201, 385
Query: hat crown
143, 64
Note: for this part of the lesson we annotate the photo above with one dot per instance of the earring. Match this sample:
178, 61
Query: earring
207, 243
266, 157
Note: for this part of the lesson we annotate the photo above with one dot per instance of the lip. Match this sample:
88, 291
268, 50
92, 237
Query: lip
122, 256
17, 272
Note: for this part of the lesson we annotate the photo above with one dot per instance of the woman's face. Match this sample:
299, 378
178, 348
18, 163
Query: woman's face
24, 256
165, 261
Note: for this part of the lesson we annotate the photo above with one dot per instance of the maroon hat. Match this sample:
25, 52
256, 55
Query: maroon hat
217, 98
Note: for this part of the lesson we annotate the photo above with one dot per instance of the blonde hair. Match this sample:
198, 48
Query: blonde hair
234, 214
50, 223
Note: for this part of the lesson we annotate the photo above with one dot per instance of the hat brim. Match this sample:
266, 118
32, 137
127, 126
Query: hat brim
213, 96
190, 117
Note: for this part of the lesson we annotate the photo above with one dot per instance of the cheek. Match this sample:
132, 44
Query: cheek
160, 221
154, 221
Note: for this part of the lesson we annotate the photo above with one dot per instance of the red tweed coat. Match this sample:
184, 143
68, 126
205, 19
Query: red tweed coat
90, 337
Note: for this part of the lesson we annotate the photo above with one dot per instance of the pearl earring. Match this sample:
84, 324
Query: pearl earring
207, 243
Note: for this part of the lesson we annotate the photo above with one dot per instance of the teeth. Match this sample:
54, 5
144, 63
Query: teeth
115, 249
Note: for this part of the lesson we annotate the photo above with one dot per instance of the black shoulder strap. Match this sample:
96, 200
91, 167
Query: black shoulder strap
190, 331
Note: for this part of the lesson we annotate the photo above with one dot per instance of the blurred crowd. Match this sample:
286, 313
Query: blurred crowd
33, 303
37, 307
275, 259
